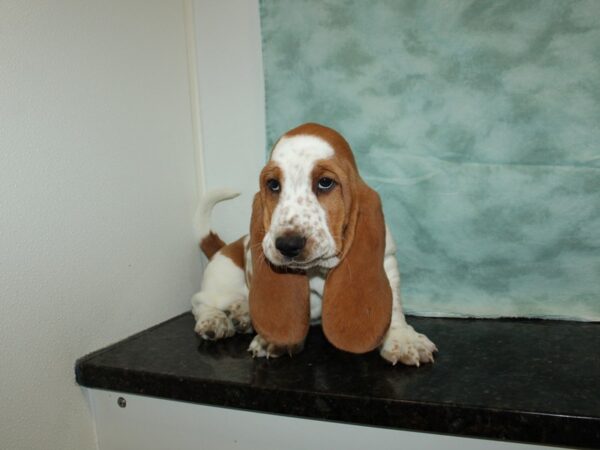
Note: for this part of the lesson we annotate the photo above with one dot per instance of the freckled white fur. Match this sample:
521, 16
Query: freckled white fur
298, 209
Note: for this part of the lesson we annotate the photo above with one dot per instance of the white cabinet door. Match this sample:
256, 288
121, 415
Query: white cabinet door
154, 424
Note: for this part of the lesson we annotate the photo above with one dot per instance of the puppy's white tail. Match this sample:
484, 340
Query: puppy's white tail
205, 207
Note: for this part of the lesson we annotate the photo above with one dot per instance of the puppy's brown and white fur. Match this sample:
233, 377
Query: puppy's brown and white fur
319, 249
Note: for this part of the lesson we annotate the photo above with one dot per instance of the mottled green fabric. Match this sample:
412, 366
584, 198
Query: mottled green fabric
479, 124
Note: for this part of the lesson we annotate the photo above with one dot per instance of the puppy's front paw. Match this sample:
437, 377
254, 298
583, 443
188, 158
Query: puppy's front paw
260, 348
213, 324
403, 344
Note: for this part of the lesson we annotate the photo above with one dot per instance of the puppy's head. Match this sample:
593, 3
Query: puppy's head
306, 190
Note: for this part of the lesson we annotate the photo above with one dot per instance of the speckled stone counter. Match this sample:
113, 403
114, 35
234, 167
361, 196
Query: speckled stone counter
518, 380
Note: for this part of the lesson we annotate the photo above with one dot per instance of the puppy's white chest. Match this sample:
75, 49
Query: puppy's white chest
316, 281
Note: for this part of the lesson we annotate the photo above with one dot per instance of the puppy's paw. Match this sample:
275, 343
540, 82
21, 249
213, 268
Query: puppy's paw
403, 344
262, 349
239, 315
213, 324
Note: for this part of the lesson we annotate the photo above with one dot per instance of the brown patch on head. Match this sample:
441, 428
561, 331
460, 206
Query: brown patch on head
235, 251
336, 202
268, 198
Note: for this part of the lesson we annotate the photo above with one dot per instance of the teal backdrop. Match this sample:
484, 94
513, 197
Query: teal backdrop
478, 122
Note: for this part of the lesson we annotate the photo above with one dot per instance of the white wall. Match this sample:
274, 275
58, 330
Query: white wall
97, 191
232, 105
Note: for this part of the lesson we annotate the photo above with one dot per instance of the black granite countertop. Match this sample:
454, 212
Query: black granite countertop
518, 380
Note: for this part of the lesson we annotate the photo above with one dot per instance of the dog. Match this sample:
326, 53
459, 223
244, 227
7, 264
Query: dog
318, 251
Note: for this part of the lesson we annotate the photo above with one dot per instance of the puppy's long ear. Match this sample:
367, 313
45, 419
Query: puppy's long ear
357, 301
279, 301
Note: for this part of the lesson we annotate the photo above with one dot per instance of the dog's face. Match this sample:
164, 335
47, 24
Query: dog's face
303, 189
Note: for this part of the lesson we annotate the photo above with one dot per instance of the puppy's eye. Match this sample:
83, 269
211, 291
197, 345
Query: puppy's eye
273, 185
325, 184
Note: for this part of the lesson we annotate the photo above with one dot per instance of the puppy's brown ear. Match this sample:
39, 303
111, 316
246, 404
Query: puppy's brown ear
279, 301
357, 300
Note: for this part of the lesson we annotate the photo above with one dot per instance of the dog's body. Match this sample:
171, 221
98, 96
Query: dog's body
306, 230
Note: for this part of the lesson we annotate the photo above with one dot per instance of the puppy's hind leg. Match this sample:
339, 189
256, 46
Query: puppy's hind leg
221, 307
211, 322
239, 314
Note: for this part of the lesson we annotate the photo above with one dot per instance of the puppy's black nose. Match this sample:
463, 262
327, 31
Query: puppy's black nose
290, 246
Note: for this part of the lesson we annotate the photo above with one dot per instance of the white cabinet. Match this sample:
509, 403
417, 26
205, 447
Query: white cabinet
155, 424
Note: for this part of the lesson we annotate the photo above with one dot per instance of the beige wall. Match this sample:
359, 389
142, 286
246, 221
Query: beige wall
97, 191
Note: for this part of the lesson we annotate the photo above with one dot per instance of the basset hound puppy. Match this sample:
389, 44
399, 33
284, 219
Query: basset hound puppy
318, 250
